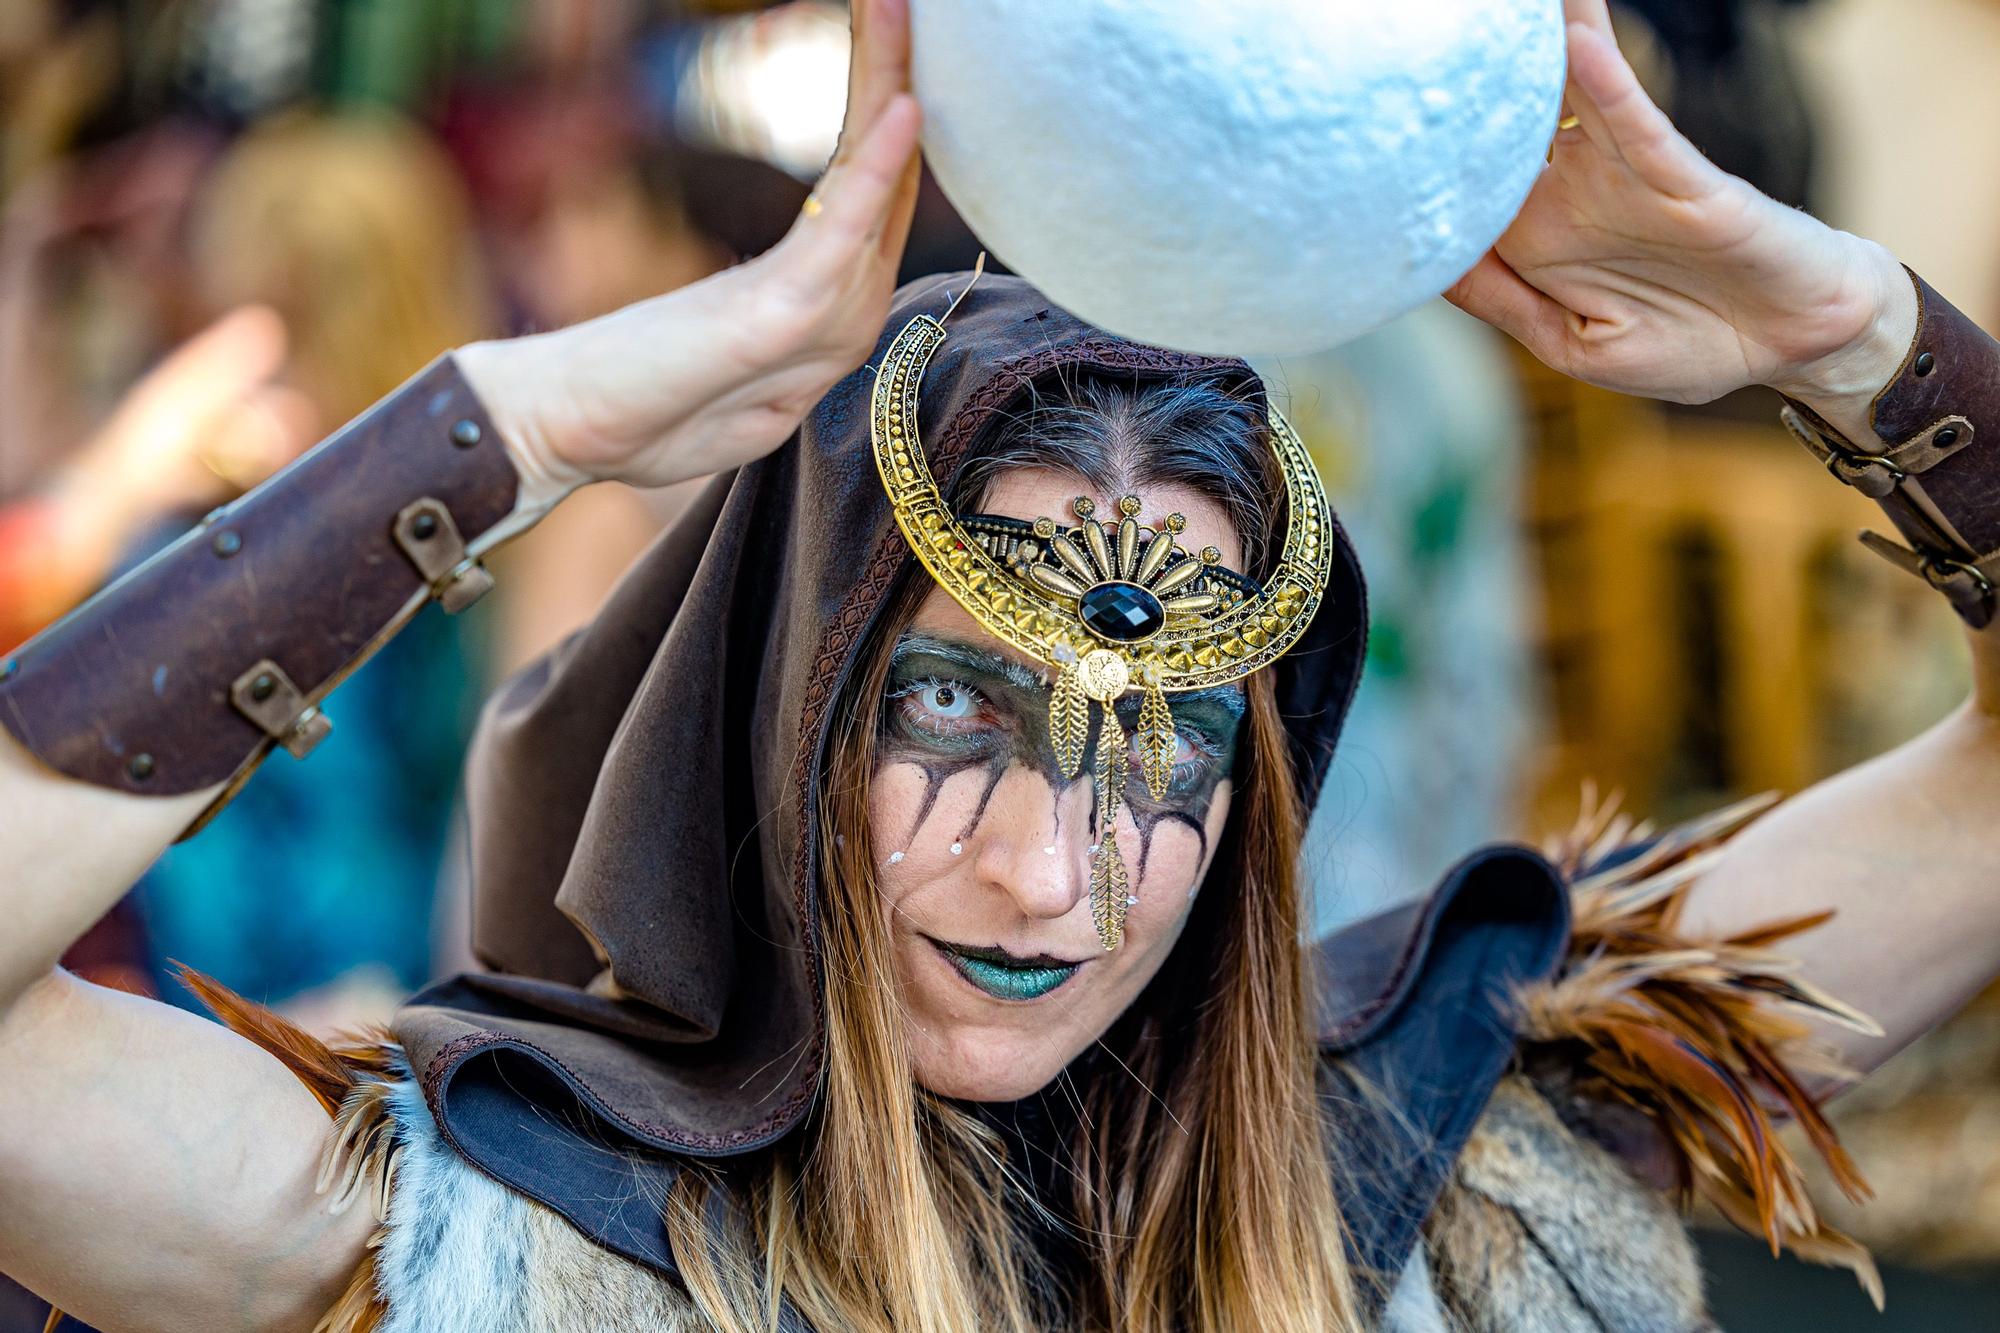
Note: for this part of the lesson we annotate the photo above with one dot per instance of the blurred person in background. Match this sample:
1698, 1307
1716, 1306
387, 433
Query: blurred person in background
94, 284
355, 231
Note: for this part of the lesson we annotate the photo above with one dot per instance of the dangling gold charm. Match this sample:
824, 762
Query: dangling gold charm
1114, 763
1109, 886
1157, 740
1110, 892
1069, 719
1103, 675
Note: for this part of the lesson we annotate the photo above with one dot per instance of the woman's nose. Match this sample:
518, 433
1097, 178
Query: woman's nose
1034, 843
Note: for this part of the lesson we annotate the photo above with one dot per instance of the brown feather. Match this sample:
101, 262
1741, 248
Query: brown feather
1702, 1035
311, 1060
1763, 937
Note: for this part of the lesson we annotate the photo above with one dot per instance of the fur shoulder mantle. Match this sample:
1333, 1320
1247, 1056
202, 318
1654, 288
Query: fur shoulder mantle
1540, 1231
1648, 1064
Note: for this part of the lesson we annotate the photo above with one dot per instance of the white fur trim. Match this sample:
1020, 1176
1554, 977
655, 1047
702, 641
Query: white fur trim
463, 1254
456, 1257
1413, 1306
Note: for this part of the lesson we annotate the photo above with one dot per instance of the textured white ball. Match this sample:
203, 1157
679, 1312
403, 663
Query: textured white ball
1238, 176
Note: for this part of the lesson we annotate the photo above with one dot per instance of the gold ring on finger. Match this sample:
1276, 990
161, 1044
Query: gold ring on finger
812, 207
1569, 122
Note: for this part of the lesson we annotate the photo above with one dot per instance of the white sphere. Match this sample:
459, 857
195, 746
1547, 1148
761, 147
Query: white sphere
1238, 176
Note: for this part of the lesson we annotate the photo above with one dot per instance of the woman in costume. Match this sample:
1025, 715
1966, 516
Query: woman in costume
890, 901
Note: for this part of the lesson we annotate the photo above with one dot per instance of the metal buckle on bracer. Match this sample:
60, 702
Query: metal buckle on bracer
1872, 474
425, 532
1878, 475
1967, 585
269, 698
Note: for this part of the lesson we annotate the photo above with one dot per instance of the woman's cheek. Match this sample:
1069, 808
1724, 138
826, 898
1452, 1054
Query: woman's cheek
897, 789
1176, 857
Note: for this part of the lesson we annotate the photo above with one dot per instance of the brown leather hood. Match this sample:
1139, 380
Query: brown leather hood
643, 880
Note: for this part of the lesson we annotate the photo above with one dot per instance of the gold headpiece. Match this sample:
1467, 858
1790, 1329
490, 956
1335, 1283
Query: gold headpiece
1111, 608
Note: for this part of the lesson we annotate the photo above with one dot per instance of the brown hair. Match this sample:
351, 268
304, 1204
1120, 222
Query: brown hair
1202, 1181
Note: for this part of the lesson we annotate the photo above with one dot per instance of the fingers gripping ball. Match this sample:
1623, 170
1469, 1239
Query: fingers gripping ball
1262, 176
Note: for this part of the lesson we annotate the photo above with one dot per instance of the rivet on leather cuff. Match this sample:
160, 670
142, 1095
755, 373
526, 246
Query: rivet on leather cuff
427, 535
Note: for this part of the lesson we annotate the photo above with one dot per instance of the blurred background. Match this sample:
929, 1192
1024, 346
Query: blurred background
227, 226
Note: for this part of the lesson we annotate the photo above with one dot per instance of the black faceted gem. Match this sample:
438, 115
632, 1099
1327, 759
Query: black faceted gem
1947, 437
141, 767
424, 527
1121, 612
1926, 364
263, 687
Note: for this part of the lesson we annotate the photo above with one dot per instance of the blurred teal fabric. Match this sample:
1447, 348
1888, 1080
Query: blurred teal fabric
330, 864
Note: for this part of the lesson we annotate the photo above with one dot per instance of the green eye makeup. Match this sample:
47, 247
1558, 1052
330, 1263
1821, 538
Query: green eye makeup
951, 706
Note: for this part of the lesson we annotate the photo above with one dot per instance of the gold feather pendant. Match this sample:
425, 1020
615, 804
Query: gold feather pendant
1110, 892
1157, 741
1110, 887
1069, 719
1114, 765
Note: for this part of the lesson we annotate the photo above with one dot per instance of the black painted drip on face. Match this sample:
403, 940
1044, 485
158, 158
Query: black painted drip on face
1185, 804
943, 758
1148, 822
955, 706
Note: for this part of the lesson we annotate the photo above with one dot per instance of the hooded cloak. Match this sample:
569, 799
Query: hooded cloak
644, 881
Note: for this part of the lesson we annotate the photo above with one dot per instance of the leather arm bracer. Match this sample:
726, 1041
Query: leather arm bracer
187, 671
1935, 468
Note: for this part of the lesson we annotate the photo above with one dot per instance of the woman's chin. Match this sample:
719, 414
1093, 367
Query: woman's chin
970, 1043
998, 1071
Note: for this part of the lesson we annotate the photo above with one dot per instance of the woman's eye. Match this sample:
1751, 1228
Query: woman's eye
1191, 755
952, 701
941, 705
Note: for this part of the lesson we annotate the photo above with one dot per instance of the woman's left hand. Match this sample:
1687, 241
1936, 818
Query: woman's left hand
1640, 266
710, 376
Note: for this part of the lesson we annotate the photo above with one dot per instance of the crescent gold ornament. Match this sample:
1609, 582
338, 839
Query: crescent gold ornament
1110, 607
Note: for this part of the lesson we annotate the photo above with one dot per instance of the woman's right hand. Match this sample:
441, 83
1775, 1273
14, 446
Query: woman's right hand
716, 374
1640, 266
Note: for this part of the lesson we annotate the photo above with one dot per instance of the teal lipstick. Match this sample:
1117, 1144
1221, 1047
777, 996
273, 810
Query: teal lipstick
1004, 977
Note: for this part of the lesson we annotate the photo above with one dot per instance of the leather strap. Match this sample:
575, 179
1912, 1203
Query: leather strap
187, 671
1936, 468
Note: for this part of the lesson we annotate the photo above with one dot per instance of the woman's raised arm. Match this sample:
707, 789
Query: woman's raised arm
158, 1170
1640, 266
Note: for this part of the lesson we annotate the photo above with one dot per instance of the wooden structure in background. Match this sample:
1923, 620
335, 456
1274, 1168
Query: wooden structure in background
1688, 564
